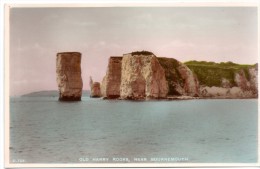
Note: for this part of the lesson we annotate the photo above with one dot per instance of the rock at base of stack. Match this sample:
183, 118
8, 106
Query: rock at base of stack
69, 76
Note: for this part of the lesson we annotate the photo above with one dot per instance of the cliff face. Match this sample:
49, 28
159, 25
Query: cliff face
247, 82
253, 72
142, 77
191, 84
69, 76
241, 80
110, 87
225, 79
181, 80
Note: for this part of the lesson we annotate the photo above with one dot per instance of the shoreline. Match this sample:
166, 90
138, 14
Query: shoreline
172, 98
169, 98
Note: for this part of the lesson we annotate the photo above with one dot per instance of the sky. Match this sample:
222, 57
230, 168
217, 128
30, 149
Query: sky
218, 34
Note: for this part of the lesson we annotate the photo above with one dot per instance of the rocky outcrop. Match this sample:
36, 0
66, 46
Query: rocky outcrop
191, 83
142, 77
181, 80
225, 83
110, 87
241, 80
221, 92
69, 76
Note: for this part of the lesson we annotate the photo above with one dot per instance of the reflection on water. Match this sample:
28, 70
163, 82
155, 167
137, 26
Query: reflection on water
43, 130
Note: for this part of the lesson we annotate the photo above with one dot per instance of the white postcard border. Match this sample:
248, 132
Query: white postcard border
33, 4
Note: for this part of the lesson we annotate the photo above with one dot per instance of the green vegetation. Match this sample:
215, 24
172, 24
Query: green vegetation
208, 73
142, 53
211, 73
173, 76
218, 65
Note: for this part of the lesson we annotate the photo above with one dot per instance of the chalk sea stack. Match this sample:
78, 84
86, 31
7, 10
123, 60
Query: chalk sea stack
95, 89
110, 87
134, 76
68, 69
142, 77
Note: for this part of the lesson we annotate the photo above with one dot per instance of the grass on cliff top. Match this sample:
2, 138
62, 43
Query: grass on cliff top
211, 73
142, 53
173, 76
218, 65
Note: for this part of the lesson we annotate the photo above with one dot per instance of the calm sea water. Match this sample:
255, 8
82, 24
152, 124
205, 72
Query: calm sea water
44, 130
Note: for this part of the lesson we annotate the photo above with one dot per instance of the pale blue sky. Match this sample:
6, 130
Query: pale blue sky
185, 33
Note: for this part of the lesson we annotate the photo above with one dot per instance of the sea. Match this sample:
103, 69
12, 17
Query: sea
45, 130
